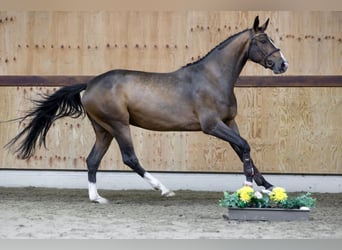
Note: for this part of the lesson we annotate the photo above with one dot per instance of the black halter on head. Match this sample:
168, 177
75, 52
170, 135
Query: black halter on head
265, 56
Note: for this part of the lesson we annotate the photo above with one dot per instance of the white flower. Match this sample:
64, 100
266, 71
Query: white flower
258, 195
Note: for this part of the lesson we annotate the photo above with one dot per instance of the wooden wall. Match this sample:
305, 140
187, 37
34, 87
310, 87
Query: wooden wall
290, 129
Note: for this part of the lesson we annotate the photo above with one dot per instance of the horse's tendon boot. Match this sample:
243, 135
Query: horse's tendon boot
248, 167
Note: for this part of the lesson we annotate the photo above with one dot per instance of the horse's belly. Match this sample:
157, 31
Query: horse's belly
165, 121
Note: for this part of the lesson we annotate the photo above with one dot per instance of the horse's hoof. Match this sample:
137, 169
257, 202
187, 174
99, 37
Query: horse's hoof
168, 194
100, 200
266, 191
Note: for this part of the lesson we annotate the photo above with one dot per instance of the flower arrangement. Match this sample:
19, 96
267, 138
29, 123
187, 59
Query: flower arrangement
247, 197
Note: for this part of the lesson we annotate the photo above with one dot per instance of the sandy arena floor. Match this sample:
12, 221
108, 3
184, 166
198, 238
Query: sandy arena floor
64, 213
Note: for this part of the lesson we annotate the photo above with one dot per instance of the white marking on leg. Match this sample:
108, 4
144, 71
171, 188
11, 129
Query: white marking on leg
93, 194
248, 183
156, 184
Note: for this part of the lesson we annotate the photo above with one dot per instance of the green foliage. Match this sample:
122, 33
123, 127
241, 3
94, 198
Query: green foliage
233, 200
260, 203
304, 200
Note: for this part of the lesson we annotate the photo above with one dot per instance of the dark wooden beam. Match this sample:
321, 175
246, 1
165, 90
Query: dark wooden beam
290, 81
29, 80
244, 81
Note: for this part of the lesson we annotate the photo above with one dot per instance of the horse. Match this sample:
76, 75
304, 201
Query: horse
197, 97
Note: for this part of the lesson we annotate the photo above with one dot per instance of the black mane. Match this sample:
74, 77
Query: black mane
219, 46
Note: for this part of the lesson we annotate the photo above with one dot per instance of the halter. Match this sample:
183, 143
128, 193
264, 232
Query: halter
269, 54
266, 56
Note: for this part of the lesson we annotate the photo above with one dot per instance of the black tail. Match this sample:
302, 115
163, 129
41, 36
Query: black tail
64, 102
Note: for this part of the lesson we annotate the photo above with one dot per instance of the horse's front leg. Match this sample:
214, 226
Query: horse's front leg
230, 133
248, 166
250, 169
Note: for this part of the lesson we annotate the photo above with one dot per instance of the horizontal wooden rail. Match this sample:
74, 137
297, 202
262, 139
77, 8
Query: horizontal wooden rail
244, 81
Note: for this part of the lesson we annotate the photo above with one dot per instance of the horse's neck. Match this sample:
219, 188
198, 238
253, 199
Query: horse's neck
227, 62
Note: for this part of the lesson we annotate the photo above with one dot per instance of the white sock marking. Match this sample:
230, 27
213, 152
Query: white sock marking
93, 194
248, 183
156, 184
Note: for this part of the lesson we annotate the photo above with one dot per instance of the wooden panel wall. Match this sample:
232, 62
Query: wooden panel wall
291, 130
74, 43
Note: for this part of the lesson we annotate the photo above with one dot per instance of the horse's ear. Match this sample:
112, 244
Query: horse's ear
264, 27
256, 24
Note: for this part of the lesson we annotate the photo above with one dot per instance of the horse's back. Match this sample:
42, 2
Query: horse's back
156, 101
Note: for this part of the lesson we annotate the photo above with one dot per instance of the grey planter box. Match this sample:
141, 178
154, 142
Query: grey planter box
268, 214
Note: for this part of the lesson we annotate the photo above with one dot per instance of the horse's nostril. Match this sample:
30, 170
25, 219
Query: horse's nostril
284, 65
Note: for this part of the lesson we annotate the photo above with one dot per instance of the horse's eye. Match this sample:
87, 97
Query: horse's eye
263, 41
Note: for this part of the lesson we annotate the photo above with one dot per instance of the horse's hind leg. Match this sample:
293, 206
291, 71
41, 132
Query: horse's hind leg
123, 136
103, 140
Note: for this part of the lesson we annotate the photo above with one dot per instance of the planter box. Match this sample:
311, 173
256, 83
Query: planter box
268, 214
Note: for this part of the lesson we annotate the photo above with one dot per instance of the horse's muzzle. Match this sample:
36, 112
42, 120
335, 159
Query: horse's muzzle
280, 67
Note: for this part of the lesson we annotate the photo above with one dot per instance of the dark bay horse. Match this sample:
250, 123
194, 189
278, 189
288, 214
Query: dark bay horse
197, 97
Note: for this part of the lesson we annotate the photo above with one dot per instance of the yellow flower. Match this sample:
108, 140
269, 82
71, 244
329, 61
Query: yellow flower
278, 194
245, 193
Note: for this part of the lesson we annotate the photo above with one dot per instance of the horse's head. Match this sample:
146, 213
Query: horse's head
262, 50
